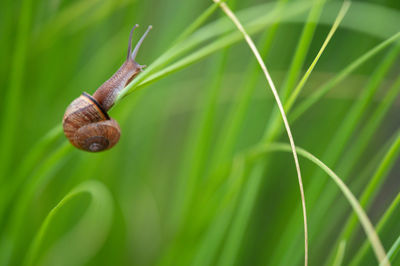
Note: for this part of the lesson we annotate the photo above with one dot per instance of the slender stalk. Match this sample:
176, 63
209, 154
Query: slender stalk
293, 96
324, 89
374, 183
252, 46
364, 220
302, 48
383, 222
236, 116
304, 106
274, 127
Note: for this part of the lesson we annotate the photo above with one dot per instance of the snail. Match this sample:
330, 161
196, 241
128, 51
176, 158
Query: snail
86, 123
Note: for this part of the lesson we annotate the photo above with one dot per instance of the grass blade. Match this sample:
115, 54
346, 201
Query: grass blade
374, 120
394, 250
381, 224
302, 48
252, 46
341, 137
13, 235
304, 106
236, 116
8, 190
338, 261
364, 220
272, 131
11, 111
93, 226
210, 243
373, 186
293, 96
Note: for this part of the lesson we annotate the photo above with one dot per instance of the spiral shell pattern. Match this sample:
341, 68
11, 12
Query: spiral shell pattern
88, 127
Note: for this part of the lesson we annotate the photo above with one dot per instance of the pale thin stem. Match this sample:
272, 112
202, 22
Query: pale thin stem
355, 204
252, 46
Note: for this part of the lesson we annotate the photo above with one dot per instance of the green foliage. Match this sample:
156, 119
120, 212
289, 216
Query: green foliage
197, 178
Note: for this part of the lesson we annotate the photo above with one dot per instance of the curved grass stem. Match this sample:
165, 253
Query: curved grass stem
95, 223
362, 216
252, 46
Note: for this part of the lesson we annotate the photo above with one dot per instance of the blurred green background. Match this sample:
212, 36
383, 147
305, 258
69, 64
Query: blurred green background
174, 190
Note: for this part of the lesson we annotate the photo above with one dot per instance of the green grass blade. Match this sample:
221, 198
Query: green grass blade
375, 182
257, 55
236, 115
12, 103
212, 240
8, 190
180, 46
297, 62
304, 106
346, 130
200, 20
257, 179
293, 96
238, 211
235, 235
199, 145
231, 132
85, 239
361, 144
364, 138
225, 146
353, 118
394, 250
13, 235
357, 259
302, 48
212, 30
364, 220
273, 127
342, 136
338, 261
216, 232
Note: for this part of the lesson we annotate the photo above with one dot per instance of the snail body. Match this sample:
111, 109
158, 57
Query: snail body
86, 122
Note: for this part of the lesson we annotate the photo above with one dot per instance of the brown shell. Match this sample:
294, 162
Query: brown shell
88, 127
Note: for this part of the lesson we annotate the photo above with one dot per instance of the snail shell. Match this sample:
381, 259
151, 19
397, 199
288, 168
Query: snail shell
88, 126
